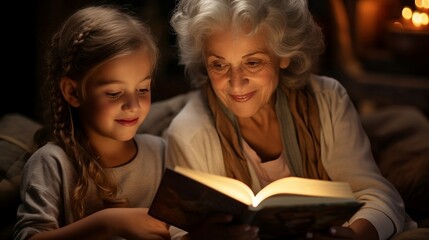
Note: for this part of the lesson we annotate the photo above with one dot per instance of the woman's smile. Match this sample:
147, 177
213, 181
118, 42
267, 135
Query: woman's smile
243, 98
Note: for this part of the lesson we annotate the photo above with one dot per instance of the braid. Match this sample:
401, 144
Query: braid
87, 39
74, 47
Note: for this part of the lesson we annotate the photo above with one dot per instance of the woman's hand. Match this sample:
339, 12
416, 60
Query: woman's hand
219, 227
359, 229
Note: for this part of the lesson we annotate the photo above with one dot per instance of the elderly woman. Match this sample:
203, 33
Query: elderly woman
260, 114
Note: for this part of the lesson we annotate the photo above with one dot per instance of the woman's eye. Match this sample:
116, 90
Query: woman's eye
218, 66
253, 65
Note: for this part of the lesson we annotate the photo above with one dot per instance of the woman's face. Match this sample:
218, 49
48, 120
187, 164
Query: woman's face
242, 71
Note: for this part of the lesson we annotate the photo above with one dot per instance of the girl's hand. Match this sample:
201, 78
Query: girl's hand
136, 223
129, 223
219, 227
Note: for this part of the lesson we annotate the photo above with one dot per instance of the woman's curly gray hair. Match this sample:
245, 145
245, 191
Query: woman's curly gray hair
292, 29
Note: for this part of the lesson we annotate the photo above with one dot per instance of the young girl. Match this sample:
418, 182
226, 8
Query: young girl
94, 178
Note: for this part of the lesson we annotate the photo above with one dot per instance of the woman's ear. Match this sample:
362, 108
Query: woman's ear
284, 63
69, 88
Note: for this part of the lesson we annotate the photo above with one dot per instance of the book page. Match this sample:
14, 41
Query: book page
228, 186
305, 186
298, 200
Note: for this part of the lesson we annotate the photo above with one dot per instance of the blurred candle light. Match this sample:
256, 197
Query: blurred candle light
418, 3
408, 36
422, 5
407, 14
417, 19
425, 19
425, 4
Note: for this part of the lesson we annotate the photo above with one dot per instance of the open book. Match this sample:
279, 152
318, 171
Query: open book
285, 208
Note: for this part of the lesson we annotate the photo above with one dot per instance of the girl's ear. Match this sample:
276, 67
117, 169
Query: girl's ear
69, 88
284, 63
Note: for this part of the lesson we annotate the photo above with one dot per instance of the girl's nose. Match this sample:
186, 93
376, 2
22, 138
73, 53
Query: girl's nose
131, 102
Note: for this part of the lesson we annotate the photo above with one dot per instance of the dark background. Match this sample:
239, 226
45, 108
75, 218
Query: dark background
27, 28
26, 36
376, 72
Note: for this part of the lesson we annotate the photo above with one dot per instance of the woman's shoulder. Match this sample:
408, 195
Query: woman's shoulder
326, 88
321, 83
193, 118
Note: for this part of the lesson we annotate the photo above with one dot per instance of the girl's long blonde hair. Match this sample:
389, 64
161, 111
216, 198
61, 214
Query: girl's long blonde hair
87, 39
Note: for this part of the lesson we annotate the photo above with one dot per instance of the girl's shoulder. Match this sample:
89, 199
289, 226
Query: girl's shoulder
48, 153
154, 141
150, 145
47, 163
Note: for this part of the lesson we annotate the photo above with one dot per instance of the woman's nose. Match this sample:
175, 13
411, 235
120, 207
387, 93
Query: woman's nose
237, 77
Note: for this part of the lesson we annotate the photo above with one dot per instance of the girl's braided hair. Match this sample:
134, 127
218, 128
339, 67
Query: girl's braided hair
87, 39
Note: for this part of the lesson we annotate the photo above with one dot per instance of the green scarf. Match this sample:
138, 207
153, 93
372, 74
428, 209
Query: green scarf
298, 115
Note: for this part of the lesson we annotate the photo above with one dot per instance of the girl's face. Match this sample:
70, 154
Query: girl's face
242, 71
117, 97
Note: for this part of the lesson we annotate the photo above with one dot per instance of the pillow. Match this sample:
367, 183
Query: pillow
161, 113
400, 144
16, 142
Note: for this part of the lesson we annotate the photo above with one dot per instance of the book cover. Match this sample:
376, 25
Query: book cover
185, 200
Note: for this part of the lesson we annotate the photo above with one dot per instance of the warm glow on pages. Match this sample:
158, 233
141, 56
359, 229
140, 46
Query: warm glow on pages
303, 187
222, 184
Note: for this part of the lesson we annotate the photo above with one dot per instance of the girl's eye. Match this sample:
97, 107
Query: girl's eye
113, 95
143, 91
